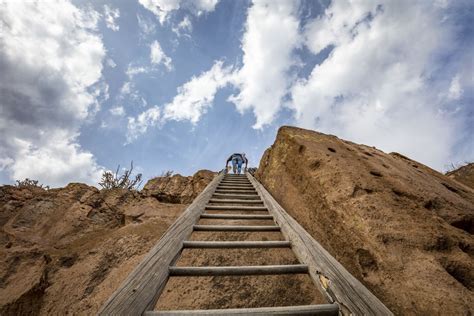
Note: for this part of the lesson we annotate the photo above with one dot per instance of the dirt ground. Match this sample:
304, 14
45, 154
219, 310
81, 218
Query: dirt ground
400, 227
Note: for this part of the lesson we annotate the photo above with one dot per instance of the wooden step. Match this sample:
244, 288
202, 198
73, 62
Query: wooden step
239, 270
236, 244
236, 216
236, 207
221, 187
317, 310
233, 185
236, 201
236, 228
236, 191
235, 196
235, 181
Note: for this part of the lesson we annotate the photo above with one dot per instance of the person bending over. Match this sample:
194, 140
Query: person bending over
237, 161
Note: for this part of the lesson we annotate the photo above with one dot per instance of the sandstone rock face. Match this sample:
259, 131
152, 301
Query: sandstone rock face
465, 175
401, 228
178, 189
67, 250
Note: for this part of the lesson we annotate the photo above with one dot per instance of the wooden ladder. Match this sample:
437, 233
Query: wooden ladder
238, 197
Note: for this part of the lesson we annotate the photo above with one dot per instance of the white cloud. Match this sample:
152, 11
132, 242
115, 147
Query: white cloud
139, 125
157, 56
111, 63
270, 37
377, 85
184, 27
191, 102
455, 89
50, 82
196, 95
146, 26
111, 16
55, 162
117, 111
162, 8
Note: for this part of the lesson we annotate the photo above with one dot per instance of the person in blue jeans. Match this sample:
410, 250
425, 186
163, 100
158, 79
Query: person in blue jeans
237, 161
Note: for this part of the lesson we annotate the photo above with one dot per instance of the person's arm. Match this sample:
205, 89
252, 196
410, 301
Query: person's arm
227, 162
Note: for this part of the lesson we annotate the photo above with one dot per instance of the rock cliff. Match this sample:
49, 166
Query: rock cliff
464, 174
66, 250
400, 227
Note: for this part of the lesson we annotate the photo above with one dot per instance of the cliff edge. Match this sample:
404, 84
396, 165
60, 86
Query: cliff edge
401, 228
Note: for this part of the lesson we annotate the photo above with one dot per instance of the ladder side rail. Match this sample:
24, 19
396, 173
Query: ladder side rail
141, 289
327, 273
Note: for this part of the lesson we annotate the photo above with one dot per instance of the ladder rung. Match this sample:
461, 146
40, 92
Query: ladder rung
236, 201
238, 270
236, 181
317, 310
236, 196
236, 187
236, 207
236, 228
236, 216
236, 191
236, 244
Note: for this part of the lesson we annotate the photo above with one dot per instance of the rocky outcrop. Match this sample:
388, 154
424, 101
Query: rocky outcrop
464, 174
400, 227
178, 189
66, 250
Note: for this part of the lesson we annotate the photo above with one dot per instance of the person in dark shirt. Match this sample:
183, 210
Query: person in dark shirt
237, 161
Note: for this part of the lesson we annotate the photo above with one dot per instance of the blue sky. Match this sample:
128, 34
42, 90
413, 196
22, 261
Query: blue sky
179, 84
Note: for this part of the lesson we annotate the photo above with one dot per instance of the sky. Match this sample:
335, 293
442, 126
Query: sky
180, 85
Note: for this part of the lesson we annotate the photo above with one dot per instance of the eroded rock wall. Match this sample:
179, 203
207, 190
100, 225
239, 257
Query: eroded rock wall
464, 174
177, 188
400, 227
66, 250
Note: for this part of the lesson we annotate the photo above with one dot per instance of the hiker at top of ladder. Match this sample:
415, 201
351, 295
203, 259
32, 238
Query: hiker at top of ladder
237, 161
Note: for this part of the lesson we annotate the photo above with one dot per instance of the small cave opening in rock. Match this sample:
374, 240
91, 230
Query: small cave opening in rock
461, 273
466, 224
331, 149
375, 173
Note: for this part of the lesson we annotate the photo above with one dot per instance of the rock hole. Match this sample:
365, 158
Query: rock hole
68, 261
440, 243
375, 173
366, 260
465, 247
301, 149
368, 154
331, 149
459, 272
432, 204
450, 188
315, 165
465, 224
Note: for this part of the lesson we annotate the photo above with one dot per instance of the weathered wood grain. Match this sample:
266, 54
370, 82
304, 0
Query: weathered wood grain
236, 207
315, 310
229, 201
236, 216
236, 244
235, 196
236, 228
143, 286
239, 270
248, 192
337, 283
